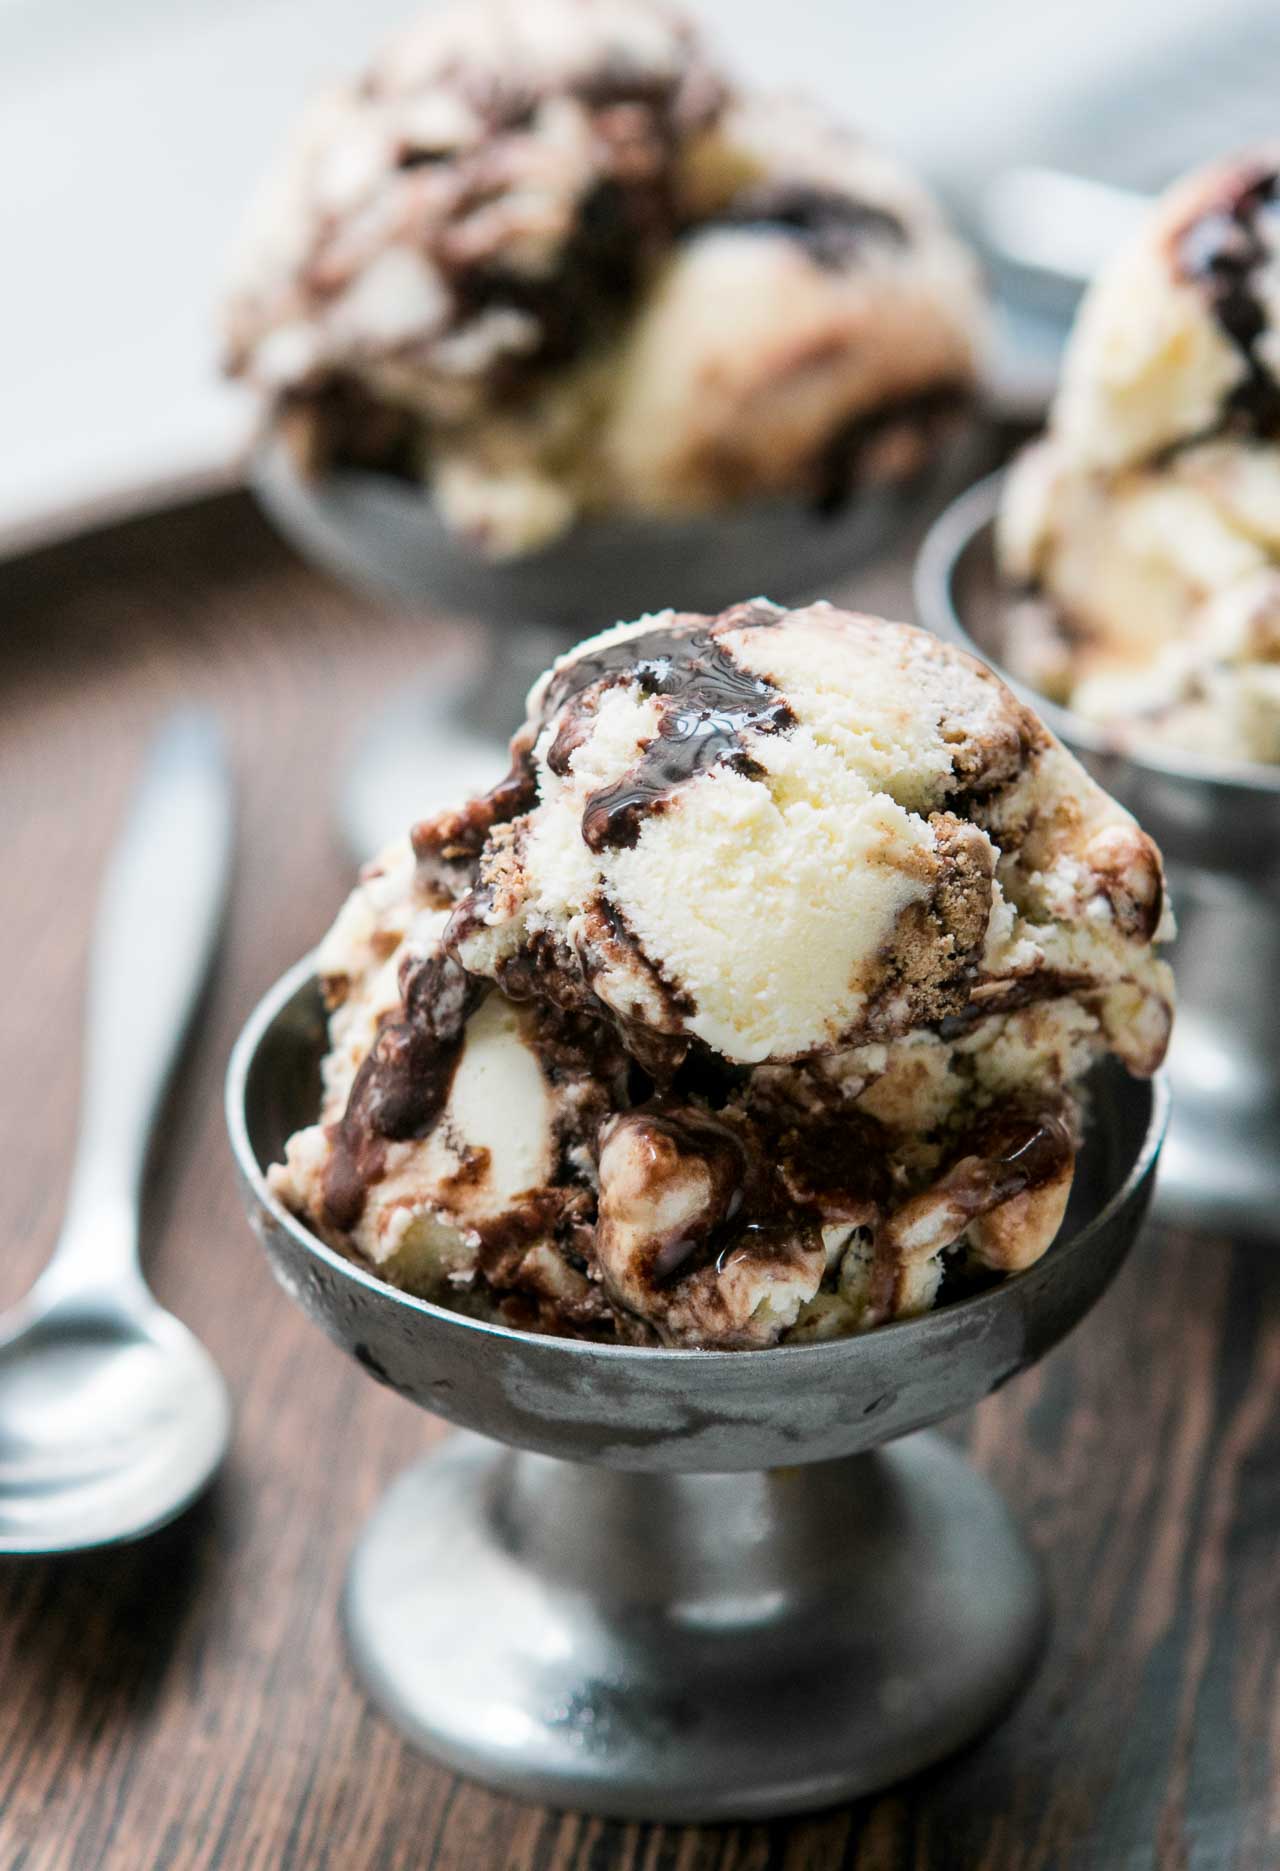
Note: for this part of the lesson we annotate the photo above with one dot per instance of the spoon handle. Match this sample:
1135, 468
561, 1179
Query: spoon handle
158, 922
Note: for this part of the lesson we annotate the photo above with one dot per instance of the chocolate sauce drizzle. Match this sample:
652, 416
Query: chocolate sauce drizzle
618, 230
844, 461
1040, 984
724, 1154
1222, 251
708, 704
1010, 1152
834, 229
448, 845
403, 1083
748, 1213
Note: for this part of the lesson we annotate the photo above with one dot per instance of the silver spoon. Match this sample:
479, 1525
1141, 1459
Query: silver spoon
112, 1416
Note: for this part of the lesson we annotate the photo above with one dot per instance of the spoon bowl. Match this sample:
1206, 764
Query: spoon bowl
113, 1417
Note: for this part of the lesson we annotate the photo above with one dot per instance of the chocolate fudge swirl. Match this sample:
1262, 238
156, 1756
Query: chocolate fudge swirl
402, 1085
1224, 251
835, 230
447, 846
748, 1211
708, 704
1006, 1154
719, 1147
922, 420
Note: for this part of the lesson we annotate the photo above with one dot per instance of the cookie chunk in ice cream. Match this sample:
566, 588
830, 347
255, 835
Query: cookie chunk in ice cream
1146, 524
753, 1005
547, 260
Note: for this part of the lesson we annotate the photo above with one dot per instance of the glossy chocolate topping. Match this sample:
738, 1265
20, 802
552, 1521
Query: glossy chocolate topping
748, 1212
447, 847
837, 1162
917, 422
402, 1085
1224, 251
708, 704
997, 996
833, 228
723, 1152
1005, 1155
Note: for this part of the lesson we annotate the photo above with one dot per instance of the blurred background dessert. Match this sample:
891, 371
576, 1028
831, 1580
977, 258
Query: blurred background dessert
548, 259
755, 1003
549, 316
1126, 570
1145, 525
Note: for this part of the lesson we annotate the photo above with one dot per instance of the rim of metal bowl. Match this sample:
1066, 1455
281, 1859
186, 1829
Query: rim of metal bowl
278, 997
959, 527
269, 460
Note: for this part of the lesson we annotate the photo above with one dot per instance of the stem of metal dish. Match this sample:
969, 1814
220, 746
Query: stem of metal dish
692, 1647
1225, 1058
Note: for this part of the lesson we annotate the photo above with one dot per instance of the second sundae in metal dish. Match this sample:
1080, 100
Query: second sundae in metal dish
547, 261
1145, 525
1126, 571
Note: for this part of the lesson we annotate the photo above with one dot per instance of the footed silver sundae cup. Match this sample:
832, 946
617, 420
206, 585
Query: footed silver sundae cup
1219, 828
679, 1584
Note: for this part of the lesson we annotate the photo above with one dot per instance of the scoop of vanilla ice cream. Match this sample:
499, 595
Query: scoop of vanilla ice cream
491, 1150
453, 231
833, 875
419, 218
1179, 332
1148, 518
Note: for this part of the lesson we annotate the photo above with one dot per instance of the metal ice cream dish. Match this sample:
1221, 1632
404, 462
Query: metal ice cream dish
1218, 825
680, 1584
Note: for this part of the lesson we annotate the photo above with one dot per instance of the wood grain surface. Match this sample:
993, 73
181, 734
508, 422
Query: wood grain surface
184, 1703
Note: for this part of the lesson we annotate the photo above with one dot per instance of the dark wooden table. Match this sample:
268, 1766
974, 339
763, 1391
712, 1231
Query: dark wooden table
184, 1703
